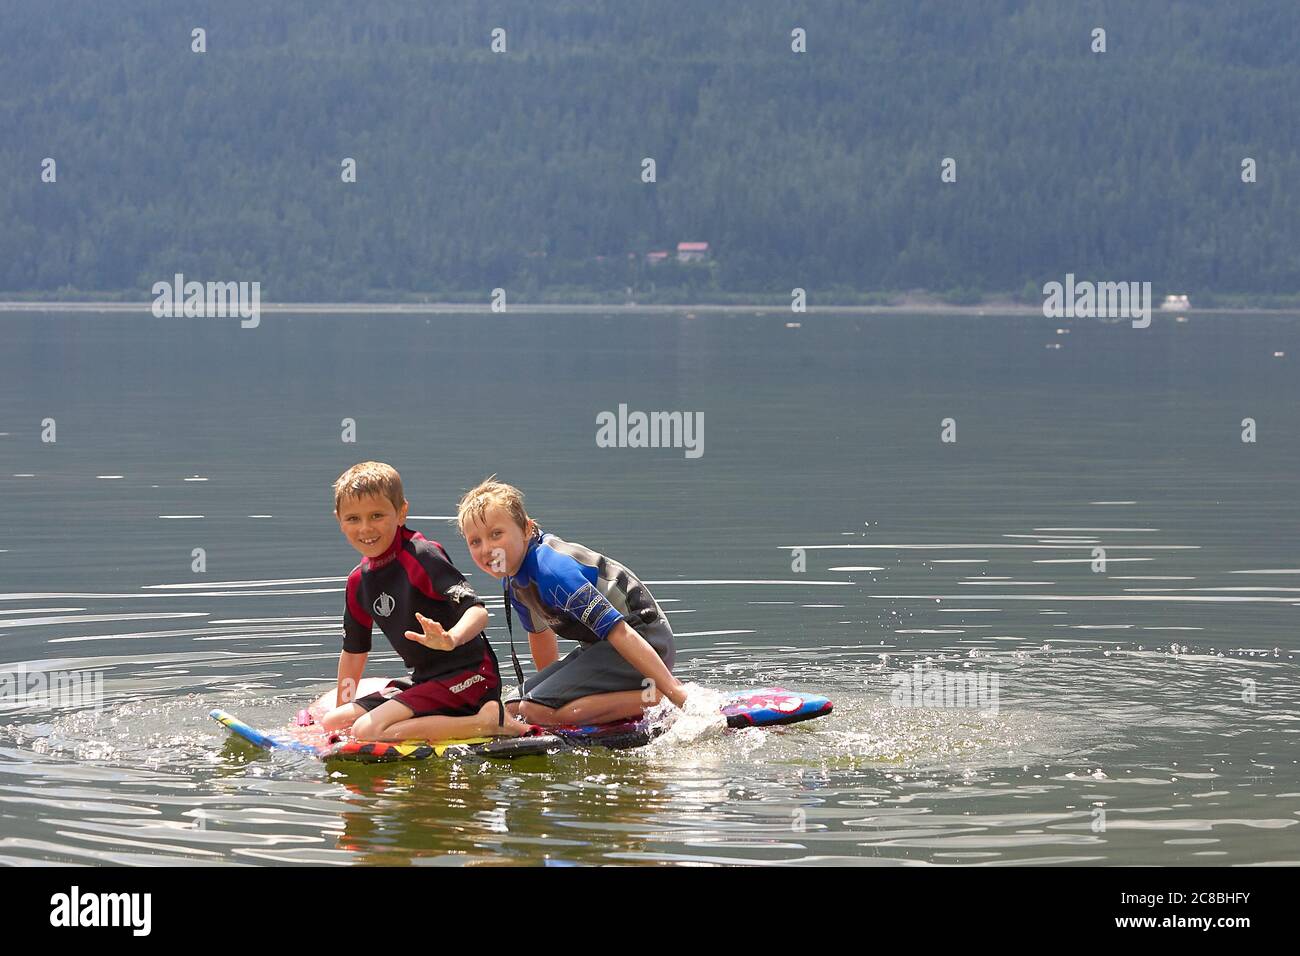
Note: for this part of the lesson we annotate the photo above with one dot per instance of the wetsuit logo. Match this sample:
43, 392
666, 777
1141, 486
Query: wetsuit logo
461, 592
384, 604
468, 682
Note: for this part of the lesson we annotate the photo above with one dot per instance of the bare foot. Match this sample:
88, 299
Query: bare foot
499, 722
512, 727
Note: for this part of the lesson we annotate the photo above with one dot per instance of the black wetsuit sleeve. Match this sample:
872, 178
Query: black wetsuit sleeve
357, 622
449, 582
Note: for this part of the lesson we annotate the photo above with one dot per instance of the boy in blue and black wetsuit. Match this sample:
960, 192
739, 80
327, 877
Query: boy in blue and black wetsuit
625, 651
405, 582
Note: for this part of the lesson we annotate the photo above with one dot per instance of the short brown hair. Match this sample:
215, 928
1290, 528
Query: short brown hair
369, 478
490, 493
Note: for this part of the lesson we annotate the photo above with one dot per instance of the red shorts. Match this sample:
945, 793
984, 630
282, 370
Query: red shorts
458, 694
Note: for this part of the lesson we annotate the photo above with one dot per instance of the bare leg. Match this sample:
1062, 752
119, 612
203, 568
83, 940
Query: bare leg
531, 712
341, 718
371, 726
437, 727
594, 709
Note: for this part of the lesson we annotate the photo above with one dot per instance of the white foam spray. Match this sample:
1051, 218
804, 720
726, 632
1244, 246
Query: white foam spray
699, 719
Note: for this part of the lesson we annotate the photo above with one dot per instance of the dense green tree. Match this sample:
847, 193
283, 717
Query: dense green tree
477, 170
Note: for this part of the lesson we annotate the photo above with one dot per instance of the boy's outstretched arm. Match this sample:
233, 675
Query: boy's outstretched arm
470, 625
351, 667
436, 638
642, 656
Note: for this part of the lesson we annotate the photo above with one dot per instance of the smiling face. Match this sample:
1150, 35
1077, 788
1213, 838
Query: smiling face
496, 542
370, 523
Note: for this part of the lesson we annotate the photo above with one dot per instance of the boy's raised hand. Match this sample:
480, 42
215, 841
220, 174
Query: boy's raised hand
434, 637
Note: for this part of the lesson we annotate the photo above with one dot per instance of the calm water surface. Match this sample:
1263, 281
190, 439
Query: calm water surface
1144, 713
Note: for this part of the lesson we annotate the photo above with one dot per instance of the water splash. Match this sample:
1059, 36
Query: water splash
701, 718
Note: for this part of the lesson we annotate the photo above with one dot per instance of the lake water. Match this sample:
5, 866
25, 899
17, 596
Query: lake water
1144, 712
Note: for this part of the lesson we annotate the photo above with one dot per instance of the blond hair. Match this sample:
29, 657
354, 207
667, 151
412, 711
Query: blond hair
369, 478
490, 493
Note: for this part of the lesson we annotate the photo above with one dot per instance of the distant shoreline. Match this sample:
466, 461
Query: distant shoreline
538, 308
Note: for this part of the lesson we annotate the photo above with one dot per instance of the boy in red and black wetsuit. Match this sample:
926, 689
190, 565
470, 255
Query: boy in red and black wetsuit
406, 581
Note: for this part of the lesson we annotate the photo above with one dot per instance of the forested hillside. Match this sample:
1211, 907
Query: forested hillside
523, 169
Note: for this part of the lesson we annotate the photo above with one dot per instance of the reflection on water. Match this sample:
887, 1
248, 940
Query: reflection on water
1146, 712
149, 776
